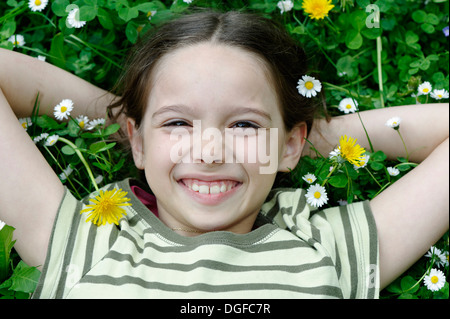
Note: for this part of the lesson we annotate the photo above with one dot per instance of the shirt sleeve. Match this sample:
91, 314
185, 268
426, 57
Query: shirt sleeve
74, 247
349, 235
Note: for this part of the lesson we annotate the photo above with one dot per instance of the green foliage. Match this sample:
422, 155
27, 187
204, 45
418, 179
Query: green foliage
378, 61
17, 281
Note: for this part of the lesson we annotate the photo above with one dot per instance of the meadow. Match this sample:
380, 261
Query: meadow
364, 54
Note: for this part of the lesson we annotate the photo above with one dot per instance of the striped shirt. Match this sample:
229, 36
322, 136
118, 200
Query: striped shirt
293, 253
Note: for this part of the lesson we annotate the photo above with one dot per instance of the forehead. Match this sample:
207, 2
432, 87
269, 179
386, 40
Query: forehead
211, 74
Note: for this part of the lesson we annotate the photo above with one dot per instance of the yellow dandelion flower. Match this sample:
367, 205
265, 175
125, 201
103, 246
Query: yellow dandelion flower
106, 207
317, 9
351, 152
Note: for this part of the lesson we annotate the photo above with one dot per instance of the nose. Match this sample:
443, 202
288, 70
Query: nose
207, 146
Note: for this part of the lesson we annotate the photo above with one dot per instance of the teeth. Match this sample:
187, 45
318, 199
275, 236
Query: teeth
211, 188
203, 189
214, 189
223, 187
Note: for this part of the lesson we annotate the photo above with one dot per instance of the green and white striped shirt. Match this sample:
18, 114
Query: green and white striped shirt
294, 253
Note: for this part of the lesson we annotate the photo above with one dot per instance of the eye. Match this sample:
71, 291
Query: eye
245, 124
176, 123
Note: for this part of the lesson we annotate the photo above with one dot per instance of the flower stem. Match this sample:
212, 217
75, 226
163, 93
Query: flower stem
83, 160
368, 171
404, 145
421, 278
317, 42
380, 71
367, 134
329, 175
60, 167
91, 46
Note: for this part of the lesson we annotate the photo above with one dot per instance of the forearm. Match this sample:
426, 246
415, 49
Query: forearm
23, 77
423, 128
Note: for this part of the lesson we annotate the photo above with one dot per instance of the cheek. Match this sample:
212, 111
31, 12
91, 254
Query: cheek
157, 155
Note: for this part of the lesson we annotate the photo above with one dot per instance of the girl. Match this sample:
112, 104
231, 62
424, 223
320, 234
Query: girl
215, 229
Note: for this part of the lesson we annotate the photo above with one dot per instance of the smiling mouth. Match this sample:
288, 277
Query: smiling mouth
209, 187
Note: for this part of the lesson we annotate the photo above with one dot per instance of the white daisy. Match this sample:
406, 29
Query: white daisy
94, 123
439, 94
342, 202
99, 179
424, 88
365, 159
51, 140
394, 122
17, 39
73, 19
433, 251
25, 122
316, 195
393, 171
348, 105
188, 1
308, 86
150, 14
83, 121
335, 156
42, 136
440, 258
445, 261
309, 178
63, 109
285, 6
66, 172
41, 58
435, 280
37, 5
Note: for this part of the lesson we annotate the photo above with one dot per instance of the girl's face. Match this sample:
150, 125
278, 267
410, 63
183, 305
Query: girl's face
219, 87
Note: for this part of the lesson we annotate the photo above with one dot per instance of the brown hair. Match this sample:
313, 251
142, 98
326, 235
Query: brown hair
285, 60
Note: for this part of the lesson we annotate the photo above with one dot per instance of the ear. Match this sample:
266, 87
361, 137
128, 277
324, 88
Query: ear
294, 143
136, 142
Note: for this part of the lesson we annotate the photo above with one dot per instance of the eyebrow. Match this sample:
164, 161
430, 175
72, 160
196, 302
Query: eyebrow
172, 108
234, 110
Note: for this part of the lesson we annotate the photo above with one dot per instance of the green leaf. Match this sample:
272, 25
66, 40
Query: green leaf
127, 14
407, 296
105, 19
131, 32
100, 147
428, 28
8, 29
378, 156
67, 150
118, 166
407, 282
88, 13
372, 33
57, 56
147, 7
432, 19
376, 166
45, 121
419, 16
25, 278
338, 181
394, 287
348, 65
59, 7
6, 244
358, 19
353, 39
113, 128
411, 37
